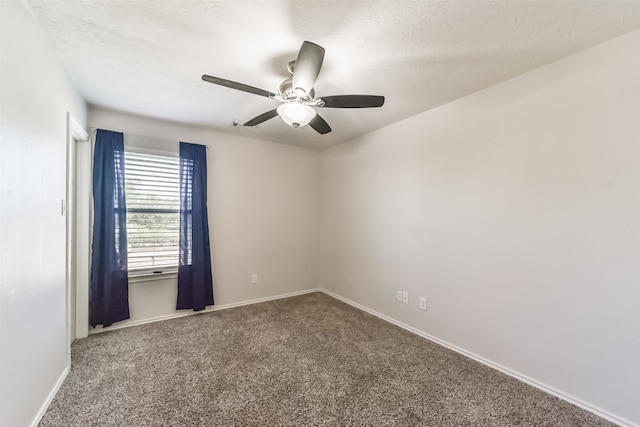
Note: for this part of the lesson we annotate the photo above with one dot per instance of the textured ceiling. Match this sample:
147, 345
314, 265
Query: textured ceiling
147, 57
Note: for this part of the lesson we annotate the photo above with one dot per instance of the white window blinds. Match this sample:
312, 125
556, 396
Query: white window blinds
152, 189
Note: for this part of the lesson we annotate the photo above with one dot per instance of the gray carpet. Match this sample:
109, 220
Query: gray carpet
309, 360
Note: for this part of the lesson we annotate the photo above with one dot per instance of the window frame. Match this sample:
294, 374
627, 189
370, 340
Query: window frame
159, 273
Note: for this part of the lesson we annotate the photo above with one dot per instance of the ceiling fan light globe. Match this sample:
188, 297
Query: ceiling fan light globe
296, 114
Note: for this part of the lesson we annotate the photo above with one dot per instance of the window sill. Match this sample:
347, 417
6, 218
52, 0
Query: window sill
148, 276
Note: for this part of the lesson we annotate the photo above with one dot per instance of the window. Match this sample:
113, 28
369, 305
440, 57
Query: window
152, 189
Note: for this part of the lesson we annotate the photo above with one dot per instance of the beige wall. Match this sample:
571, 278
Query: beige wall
263, 213
516, 212
35, 96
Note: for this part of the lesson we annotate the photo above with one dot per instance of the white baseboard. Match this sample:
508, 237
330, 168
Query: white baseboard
206, 310
50, 397
541, 386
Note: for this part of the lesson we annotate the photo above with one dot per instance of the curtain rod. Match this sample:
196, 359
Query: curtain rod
93, 129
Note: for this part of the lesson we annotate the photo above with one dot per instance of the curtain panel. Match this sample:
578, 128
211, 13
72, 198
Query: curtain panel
109, 284
195, 280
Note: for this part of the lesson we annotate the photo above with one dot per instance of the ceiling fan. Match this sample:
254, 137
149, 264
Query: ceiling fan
297, 96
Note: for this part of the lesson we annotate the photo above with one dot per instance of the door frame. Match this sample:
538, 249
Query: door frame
77, 137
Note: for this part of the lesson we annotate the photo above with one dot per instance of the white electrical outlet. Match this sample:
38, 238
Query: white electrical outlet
405, 298
399, 296
423, 303
254, 279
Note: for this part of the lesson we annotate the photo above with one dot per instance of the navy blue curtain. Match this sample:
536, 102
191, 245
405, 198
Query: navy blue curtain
109, 289
195, 282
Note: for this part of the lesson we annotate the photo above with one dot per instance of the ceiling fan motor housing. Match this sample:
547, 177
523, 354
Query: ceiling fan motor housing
288, 92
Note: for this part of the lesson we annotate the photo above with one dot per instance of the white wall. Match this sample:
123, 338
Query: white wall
263, 213
36, 96
516, 212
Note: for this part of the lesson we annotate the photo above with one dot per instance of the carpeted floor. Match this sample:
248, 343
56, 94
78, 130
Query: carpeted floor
309, 360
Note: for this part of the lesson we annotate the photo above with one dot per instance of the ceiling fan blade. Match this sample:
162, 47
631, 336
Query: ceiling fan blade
262, 118
308, 64
353, 101
237, 86
319, 124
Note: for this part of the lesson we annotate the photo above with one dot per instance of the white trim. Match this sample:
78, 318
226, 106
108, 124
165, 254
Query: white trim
84, 221
77, 131
75, 134
541, 386
148, 277
52, 394
100, 329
